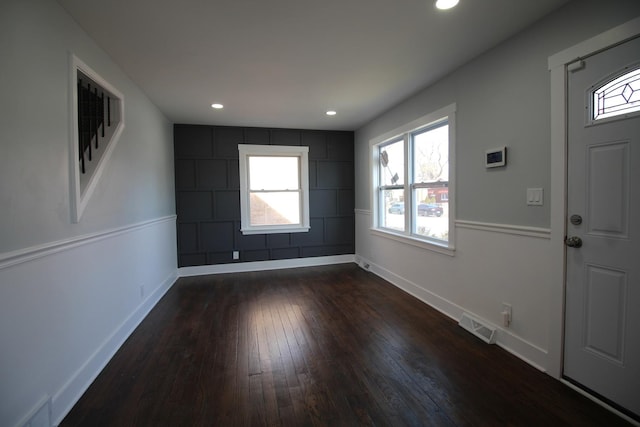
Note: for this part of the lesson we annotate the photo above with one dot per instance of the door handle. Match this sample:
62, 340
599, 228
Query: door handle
574, 242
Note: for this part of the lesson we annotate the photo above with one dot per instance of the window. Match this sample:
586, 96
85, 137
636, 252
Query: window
412, 181
274, 189
618, 97
391, 192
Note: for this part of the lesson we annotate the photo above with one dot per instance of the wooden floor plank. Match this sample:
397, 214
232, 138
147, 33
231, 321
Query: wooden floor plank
331, 345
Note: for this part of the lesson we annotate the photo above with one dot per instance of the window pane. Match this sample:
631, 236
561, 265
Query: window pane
392, 209
274, 208
431, 212
273, 173
392, 163
431, 155
620, 96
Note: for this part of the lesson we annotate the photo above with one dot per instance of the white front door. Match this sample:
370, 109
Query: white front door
602, 315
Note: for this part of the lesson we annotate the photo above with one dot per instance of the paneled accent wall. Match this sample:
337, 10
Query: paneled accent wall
208, 195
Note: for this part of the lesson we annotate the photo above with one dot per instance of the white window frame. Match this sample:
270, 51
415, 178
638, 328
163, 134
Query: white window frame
302, 153
404, 133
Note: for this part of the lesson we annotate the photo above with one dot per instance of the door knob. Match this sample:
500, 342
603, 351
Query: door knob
574, 242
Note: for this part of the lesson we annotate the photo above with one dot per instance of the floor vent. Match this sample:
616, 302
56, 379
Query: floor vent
477, 328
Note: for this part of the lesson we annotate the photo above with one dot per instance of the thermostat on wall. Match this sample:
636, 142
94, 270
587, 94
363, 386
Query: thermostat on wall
496, 157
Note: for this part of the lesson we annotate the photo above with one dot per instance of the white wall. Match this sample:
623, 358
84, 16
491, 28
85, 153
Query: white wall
71, 293
485, 272
66, 309
37, 37
502, 245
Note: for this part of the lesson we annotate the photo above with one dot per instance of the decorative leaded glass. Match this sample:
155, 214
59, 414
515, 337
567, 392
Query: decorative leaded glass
617, 97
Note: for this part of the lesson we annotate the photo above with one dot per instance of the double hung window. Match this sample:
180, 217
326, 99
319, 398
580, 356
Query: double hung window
413, 185
274, 189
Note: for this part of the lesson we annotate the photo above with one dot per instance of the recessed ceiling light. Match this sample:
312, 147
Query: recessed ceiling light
217, 106
446, 4
331, 113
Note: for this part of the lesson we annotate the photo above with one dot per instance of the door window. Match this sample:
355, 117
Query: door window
617, 97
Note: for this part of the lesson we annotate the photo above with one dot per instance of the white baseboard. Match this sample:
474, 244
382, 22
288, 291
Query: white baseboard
70, 393
515, 345
40, 415
242, 267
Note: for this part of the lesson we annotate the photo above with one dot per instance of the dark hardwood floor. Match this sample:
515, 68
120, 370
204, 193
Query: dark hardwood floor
330, 345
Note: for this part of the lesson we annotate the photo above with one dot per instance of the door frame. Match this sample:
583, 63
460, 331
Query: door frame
559, 142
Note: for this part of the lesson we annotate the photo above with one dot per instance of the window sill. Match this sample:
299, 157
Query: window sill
274, 230
423, 244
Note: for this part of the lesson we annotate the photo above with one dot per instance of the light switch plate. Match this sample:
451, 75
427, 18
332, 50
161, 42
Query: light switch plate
535, 196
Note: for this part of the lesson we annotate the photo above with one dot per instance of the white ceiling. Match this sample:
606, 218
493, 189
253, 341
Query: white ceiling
283, 63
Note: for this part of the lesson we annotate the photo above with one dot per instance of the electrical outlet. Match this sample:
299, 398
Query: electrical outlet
236, 255
507, 314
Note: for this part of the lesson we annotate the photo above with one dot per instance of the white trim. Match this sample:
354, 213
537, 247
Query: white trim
78, 197
410, 240
557, 65
273, 229
67, 396
43, 404
528, 352
302, 153
518, 230
414, 125
242, 267
20, 256
589, 47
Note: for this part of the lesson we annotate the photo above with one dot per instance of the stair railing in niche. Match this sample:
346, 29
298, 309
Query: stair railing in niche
97, 114
93, 105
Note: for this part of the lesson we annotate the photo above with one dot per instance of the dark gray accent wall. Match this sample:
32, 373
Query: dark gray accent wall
208, 195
